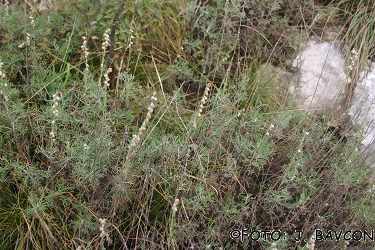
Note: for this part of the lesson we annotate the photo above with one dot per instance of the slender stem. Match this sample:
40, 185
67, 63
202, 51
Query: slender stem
113, 32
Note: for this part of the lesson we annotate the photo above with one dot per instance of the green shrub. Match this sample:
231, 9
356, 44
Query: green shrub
177, 146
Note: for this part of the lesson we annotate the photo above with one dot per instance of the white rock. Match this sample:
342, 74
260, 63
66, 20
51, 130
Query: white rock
45, 5
362, 112
322, 73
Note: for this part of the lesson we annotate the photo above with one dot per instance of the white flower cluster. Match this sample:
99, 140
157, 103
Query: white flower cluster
6, 3
56, 98
27, 41
85, 50
174, 206
372, 189
203, 102
272, 127
3, 84
106, 77
2, 74
32, 20
142, 129
105, 44
131, 38
273, 246
311, 243
353, 59
84, 47
102, 227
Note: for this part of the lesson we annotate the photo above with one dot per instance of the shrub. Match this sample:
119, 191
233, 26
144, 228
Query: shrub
175, 145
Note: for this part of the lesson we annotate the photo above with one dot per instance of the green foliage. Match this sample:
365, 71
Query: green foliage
212, 149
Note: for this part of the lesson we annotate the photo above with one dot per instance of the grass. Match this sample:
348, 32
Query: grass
176, 141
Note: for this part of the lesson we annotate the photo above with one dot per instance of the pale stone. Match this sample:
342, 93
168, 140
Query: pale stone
321, 77
45, 5
362, 112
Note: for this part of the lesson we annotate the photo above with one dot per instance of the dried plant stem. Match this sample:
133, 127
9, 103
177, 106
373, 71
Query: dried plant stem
113, 32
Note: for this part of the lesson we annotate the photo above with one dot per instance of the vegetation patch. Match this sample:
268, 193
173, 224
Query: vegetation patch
146, 125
